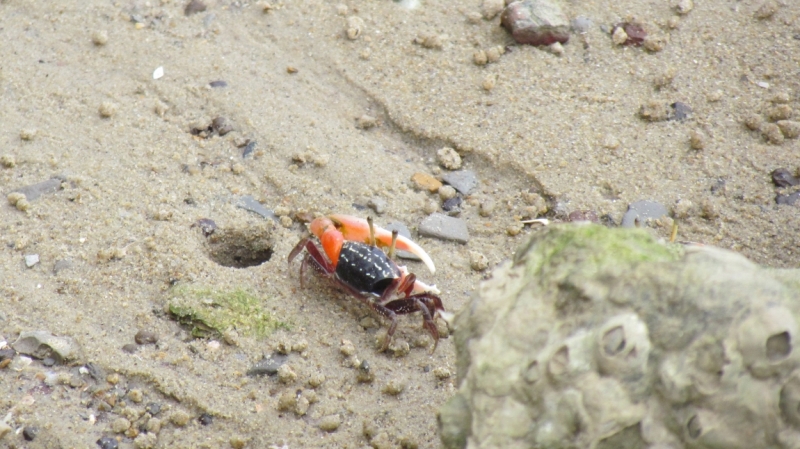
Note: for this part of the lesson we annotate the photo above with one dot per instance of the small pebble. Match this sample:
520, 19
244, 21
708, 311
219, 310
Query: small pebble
633, 34
100, 37
366, 122
377, 204
206, 419
30, 432
493, 54
655, 42
365, 374
247, 202
430, 40
453, 206
107, 109
680, 111
789, 200
783, 178
448, 158
108, 443
444, 227
556, 48
286, 374
772, 133
394, 387
120, 425
180, 418
31, 260
478, 261
218, 83
697, 140
221, 126
424, 181
514, 228
487, 208
144, 337
194, 7
715, 96
130, 348
463, 180
153, 425
489, 82
330, 423
536, 22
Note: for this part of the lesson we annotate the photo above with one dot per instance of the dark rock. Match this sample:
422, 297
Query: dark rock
218, 83
268, 365
108, 443
443, 227
463, 180
144, 337
194, 7
453, 205
206, 419
636, 34
641, 211
96, 372
130, 348
536, 22
30, 432
783, 178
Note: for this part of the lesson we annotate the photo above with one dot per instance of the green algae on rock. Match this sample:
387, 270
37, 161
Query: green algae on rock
210, 313
601, 338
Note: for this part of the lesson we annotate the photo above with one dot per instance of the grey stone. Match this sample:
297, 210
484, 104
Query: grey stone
581, 25
644, 344
247, 202
642, 211
34, 191
268, 365
43, 344
443, 227
463, 180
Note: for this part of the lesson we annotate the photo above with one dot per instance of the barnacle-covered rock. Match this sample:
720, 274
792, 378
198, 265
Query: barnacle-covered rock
605, 338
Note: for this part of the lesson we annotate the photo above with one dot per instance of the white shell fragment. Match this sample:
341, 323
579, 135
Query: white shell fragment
158, 72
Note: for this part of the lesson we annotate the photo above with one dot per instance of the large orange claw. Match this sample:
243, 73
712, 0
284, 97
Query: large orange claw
357, 229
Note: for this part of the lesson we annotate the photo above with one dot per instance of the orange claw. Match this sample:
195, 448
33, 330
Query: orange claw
357, 229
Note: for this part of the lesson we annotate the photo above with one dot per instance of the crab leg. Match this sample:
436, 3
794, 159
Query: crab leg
357, 229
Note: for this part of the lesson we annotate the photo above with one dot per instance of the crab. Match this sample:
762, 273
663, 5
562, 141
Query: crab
351, 257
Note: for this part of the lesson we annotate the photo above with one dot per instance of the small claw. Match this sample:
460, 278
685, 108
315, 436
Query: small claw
357, 230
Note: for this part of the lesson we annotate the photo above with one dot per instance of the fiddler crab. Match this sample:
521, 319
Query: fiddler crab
353, 258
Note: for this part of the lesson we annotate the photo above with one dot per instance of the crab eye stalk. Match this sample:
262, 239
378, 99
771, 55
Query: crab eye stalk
371, 231
394, 244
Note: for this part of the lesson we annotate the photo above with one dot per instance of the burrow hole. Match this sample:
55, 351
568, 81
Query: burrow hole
240, 248
779, 346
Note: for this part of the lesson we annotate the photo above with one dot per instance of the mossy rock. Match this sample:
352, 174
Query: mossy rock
607, 338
